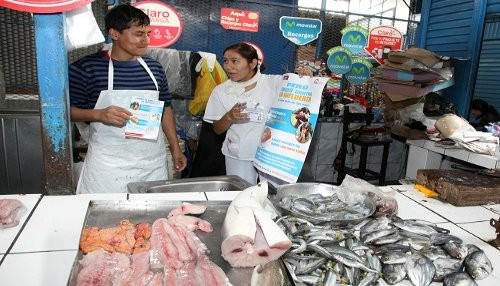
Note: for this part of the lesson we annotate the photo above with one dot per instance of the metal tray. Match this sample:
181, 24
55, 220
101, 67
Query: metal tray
304, 189
110, 213
201, 184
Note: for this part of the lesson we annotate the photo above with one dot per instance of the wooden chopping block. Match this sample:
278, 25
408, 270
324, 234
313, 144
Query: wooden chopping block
461, 188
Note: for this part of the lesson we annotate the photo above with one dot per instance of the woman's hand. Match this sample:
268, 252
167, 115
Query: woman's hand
114, 115
237, 112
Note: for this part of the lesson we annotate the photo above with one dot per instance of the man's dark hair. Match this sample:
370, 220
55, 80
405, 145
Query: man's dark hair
481, 105
123, 16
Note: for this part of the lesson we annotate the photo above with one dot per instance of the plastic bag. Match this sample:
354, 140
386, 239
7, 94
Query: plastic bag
354, 189
11, 212
82, 29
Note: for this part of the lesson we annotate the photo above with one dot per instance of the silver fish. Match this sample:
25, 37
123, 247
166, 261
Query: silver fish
459, 279
388, 239
420, 270
393, 273
458, 251
393, 257
416, 228
375, 224
445, 266
478, 265
330, 278
370, 237
442, 238
434, 253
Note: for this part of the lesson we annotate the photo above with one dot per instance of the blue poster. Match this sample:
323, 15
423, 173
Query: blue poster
360, 71
289, 130
339, 60
300, 31
354, 38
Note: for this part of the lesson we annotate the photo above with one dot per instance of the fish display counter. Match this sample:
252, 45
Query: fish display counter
45, 245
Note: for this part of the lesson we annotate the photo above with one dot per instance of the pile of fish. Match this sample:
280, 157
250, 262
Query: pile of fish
318, 208
388, 248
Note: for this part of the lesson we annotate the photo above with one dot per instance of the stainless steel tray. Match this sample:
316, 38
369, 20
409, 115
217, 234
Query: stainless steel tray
201, 184
110, 213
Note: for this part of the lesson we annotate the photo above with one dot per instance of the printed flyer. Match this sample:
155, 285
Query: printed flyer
290, 127
145, 122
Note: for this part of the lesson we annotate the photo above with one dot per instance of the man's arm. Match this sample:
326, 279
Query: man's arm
168, 124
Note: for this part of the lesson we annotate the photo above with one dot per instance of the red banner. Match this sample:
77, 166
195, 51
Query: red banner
43, 6
241, 20
382, 40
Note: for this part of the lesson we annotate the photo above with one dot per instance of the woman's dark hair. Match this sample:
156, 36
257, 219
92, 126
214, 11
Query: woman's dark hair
247, 52
122, 17
481, 105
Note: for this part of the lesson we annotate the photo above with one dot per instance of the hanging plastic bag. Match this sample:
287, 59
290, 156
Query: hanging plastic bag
81, 28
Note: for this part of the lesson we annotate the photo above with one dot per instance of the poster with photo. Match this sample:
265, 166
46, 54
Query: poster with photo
290, 127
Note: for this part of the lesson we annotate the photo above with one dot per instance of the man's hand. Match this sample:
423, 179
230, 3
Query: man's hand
114, 115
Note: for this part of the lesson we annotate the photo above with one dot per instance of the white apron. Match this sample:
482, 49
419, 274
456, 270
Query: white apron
112, 161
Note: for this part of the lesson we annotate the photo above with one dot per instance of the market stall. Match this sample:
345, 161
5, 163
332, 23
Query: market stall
45, 243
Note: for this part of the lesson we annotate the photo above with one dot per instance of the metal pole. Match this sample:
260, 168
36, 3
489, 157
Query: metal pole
52, 70
319, 43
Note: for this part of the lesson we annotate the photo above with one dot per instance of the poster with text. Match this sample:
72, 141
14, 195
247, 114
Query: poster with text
290, 127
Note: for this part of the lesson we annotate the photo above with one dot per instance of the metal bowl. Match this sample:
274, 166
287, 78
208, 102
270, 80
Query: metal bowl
305, 189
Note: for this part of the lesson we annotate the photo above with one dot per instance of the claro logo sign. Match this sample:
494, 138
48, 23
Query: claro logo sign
166, 23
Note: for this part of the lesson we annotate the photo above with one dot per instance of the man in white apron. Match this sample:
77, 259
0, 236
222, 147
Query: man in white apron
102, 87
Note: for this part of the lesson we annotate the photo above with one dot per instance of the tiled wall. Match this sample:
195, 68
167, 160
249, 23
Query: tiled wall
326, 143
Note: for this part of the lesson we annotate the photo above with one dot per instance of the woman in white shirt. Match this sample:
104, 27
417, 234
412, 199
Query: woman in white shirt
240, 107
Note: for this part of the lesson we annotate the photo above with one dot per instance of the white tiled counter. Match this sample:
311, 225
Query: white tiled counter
45, 251
8, 235
425, 154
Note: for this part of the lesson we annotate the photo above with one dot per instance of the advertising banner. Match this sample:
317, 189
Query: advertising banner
289, 130
240, 20
166, 23
354, 38
382, 40
300, 31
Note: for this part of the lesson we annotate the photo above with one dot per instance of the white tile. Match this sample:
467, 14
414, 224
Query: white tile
420, 158
222, 196
494, 208
460, 154
419, 143
37, 269
481, 229
185, 196
431, 145
8, 235
409, 209
449, 211
57, 222
483, 160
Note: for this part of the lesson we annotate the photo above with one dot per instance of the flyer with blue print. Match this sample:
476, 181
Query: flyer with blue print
290, 127
145, 121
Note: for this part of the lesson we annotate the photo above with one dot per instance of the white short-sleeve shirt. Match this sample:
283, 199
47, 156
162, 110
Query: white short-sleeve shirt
242, 139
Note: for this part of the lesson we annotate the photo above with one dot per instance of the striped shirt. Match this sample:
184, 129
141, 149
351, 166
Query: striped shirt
88, 76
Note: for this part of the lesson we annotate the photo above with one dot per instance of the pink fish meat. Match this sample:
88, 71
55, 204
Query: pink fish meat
249, 235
